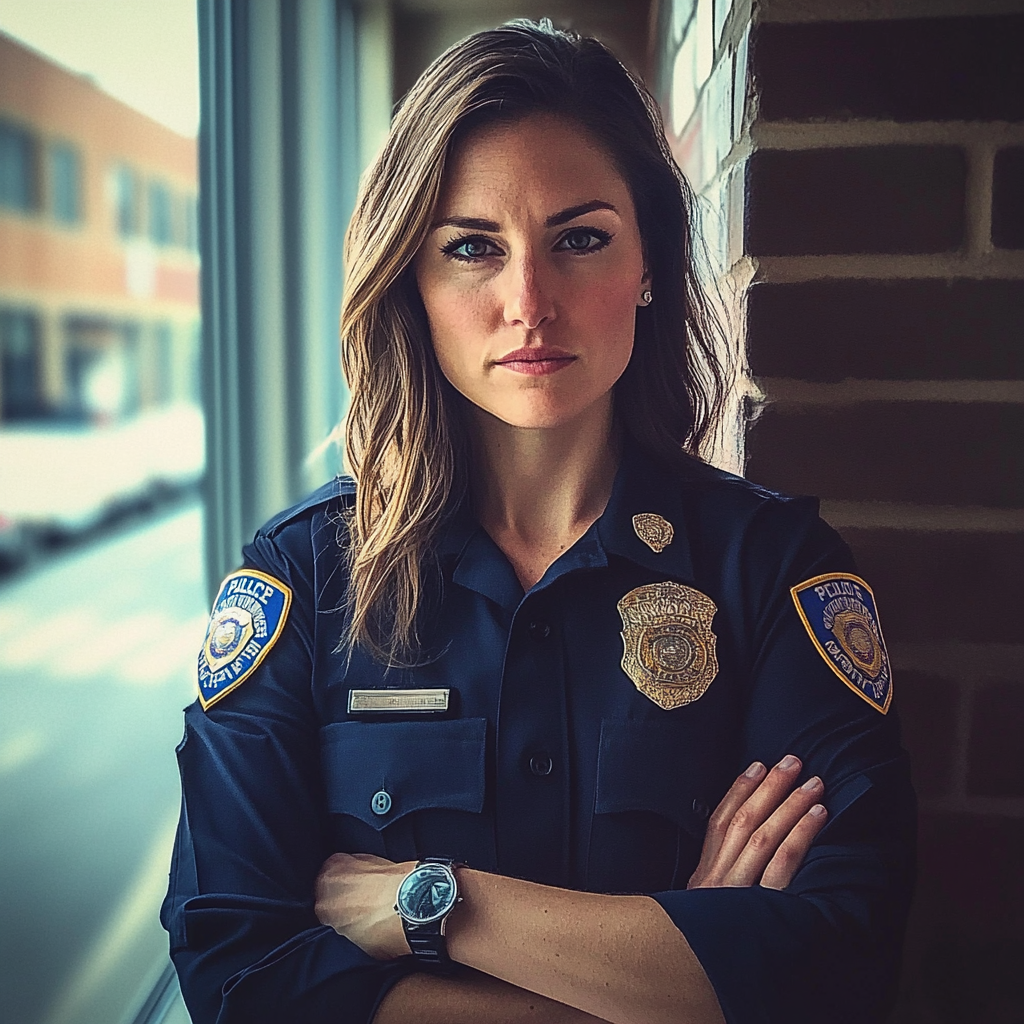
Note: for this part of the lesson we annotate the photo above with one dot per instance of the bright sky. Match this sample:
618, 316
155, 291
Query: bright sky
144, 52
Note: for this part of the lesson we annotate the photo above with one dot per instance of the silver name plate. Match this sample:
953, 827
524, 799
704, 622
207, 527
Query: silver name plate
403, 702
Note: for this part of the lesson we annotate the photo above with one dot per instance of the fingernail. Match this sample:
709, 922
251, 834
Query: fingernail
812, 783
817, 810
755, 771
787, 763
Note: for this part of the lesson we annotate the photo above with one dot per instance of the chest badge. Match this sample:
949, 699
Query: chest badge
248, 616
653, 530
668, 646
838, 612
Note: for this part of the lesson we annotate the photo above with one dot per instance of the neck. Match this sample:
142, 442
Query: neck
536, 491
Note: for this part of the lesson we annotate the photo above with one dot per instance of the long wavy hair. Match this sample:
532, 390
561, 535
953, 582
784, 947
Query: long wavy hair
405, 444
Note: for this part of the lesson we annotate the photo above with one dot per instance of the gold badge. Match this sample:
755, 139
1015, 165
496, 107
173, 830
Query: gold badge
653, 530
668, 646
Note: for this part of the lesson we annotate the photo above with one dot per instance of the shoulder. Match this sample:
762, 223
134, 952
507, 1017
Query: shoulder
737, 503
335, 495
763, 534
302, 546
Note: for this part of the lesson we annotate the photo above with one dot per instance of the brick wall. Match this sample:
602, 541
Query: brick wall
880, 164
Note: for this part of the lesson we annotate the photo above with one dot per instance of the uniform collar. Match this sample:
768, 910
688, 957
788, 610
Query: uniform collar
642, 484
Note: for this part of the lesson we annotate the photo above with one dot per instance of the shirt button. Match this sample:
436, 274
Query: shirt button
381, 802
540, 764
539, 629
701, 809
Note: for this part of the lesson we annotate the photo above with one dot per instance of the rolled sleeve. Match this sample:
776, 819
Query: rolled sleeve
245, 940
827, 948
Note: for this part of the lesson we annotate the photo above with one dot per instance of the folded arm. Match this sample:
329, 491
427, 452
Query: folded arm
615, 958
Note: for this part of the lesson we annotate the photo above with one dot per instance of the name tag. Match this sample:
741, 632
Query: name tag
403, 702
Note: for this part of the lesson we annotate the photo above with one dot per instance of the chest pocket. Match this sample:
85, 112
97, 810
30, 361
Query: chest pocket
405, 790
650, 808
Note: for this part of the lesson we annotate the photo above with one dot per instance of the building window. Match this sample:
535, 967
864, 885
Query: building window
17, 168
191, 223
21, 397
127, 201
161, 227
163, 382
65, 183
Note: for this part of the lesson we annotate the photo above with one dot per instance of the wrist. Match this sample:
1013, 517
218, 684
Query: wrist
425, 900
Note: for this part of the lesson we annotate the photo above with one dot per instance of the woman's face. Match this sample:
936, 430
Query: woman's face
532, 272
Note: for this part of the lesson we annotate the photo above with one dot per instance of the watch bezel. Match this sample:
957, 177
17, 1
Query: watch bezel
438, 870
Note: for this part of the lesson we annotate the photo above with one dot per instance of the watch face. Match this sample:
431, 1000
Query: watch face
427, 893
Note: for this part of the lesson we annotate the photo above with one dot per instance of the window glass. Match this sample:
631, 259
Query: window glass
21, 395
127, 198
65, 183
160, 220
103, 599
17, 167
191, 223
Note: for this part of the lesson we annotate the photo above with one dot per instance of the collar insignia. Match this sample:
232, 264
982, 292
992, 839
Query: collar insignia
653, 530
838, 612
248, 616
668, 645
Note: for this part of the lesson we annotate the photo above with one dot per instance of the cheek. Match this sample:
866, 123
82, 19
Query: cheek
607, 310
458, 321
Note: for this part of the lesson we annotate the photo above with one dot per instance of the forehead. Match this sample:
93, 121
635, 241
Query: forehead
540, 160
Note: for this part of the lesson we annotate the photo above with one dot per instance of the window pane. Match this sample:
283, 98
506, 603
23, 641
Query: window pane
160, 226
126, 193
21, 396
65, 183
17, 167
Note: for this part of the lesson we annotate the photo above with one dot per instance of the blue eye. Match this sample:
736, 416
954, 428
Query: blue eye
470, 249
583, 240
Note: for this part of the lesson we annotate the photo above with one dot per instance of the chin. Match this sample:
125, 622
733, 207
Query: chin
543, 415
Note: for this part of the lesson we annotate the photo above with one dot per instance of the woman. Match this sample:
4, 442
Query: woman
538, 638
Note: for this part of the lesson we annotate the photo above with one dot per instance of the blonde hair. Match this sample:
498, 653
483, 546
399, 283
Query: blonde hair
404, 442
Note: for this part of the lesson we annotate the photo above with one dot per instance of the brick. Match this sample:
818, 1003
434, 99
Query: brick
996, 764
928, 69
943, 587
1008, 199
894, 330
928, 452
963, 950
927, 708
872, 199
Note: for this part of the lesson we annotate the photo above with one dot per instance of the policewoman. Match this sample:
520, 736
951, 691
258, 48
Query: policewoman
537, 716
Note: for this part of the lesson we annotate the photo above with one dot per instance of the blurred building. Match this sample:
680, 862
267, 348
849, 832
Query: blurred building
99, 265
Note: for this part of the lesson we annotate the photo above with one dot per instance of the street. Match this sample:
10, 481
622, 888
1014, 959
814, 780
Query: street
97, 659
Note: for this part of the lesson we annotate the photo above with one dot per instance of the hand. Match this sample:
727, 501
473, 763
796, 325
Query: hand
762, 829
355, 895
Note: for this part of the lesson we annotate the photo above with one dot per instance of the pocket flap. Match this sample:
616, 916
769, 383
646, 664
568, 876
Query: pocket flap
641, 766
418, 765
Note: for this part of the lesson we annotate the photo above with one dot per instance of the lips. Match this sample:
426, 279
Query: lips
536, 361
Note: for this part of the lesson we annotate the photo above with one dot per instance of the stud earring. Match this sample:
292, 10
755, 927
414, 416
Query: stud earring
646, 297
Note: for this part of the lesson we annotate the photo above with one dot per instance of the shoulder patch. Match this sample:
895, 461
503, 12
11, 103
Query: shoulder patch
838, 611
248, 616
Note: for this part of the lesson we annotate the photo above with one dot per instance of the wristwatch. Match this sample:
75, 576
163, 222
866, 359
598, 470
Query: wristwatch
427, 895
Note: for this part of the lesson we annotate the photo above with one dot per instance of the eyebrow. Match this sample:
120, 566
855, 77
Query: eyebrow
562, 217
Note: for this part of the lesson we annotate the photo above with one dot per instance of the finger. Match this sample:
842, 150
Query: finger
754, 812
718, 823
790, 855
765, 841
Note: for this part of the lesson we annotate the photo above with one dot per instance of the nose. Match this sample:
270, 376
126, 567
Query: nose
528, 301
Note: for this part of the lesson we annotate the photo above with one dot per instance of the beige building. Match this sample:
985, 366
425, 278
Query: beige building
99, 264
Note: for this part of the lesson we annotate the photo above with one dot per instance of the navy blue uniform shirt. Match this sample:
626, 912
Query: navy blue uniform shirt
549, 765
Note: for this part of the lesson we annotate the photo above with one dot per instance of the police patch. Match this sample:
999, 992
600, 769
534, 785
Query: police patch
838, 611
248, 616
